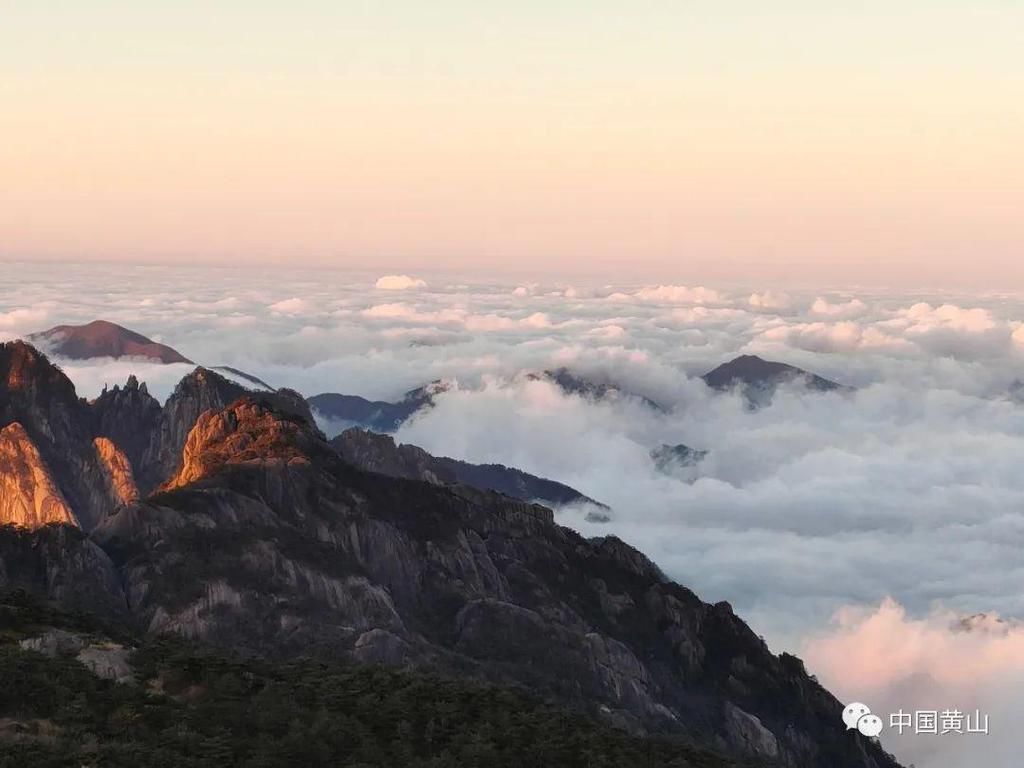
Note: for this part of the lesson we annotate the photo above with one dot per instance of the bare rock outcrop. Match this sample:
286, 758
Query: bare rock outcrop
104, 658
201, 391
244, 433
117, 471
29, 496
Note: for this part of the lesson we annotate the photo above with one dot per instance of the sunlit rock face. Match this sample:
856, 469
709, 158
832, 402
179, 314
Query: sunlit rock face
201, 391
117, 471
39, 398
243, 433
29, 496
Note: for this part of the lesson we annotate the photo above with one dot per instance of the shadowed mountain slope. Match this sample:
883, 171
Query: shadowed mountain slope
380, 453
263, 540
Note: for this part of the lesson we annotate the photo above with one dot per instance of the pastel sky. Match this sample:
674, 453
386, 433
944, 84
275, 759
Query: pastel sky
870, 141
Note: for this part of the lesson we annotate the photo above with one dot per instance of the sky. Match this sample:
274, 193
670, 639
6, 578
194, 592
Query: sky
875, 142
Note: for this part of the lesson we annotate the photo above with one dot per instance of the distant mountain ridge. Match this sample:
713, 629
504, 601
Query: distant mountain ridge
377, 415
386, 417
591, 388
380, 453
755, 377
101, 338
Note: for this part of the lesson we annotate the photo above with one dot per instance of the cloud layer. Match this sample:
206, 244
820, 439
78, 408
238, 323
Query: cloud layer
908, 489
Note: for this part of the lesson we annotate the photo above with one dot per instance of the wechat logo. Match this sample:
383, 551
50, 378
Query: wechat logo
858, 717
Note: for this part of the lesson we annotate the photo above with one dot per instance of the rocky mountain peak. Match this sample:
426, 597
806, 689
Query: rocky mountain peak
757, 379
133, 385
28, 372
246, 432
200, 391
127, 416
756, 371
204, 388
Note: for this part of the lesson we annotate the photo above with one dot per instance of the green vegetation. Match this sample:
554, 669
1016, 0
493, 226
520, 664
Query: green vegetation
194, 707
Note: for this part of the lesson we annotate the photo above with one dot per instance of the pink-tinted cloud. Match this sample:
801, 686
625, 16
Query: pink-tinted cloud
873, 650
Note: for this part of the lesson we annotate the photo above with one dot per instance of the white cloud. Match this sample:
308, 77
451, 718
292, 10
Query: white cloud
408, 312
851, 308
536, 320
456, 316
399, 283
612, 331
292, 306
25, 320
772, 300
672, 294
817, 337
924, 316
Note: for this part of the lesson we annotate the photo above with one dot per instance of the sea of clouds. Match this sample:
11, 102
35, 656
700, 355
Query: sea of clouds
856, 529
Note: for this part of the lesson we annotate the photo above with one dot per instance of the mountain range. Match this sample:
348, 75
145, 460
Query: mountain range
755, 378
225, 516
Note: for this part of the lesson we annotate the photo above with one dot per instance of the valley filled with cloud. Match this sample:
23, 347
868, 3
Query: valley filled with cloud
874, 530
